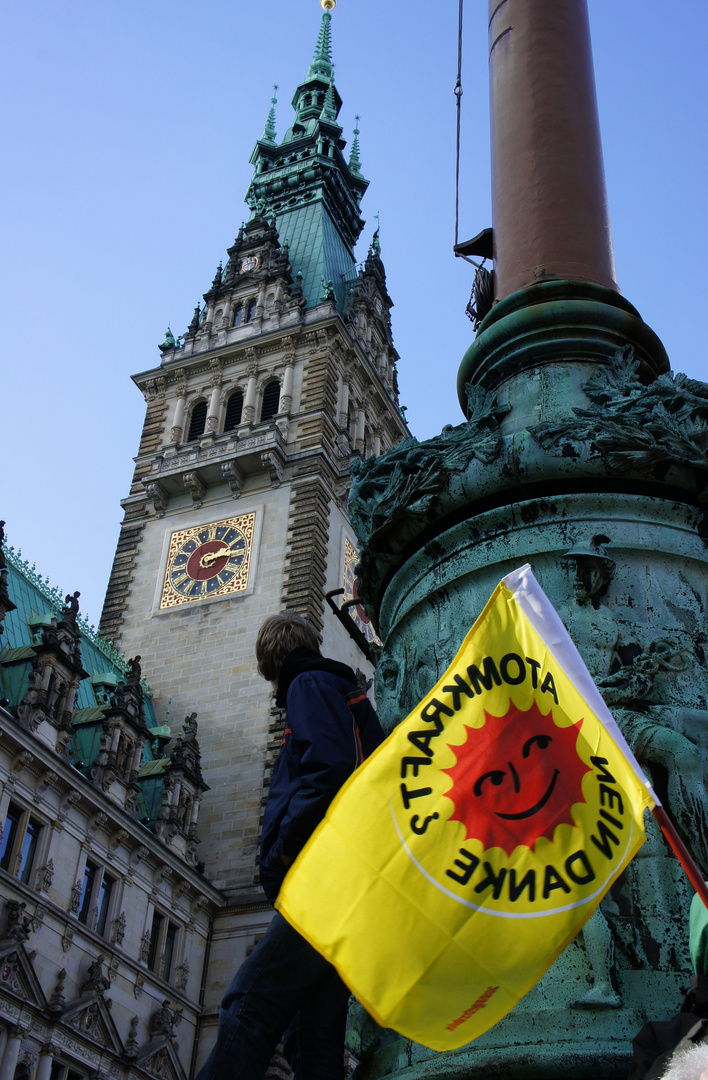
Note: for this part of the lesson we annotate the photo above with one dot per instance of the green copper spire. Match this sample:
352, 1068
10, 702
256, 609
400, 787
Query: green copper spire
269, 132
354, 160
321, 66
329, 109
304, 183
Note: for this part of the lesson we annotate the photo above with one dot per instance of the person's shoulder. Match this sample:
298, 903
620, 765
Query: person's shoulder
323, 679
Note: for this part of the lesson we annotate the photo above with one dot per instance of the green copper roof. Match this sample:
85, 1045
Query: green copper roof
36, 604
317, 249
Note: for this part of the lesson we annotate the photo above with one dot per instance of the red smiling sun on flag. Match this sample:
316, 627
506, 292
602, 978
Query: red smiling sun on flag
516, 778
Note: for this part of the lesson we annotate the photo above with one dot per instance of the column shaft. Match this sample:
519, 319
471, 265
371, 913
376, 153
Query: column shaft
549, 200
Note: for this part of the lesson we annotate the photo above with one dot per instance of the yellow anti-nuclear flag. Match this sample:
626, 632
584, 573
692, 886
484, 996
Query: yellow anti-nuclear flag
458, 862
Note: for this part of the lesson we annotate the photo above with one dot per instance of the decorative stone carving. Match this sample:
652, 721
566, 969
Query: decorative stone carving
157, 494
117, 839
145, 947
138, 988
57, 1001
234, 477
76, 891
164, 1021
67, 938
96, 822
195, 486
18, 926
182, 975
131, 1043
96, 981
70, 799
45, 876
138, 856
118, 928
272, 463
48, 779
22, 761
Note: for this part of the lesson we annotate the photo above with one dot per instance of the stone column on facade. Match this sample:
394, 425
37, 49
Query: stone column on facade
344, 404
360, 430
376, 443
44, 1064
286, 394
137, 758
177, 429
11, 1054
212, 420
249, 404
549, 200
115, 740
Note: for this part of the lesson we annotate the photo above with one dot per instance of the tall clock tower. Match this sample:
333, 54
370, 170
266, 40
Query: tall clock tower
237, 508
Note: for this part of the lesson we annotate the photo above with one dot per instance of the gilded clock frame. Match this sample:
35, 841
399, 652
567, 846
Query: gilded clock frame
246, 524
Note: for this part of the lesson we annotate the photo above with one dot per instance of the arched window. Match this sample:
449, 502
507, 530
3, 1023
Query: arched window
251, 310
238, 315
234, 408
197, 422
271, 400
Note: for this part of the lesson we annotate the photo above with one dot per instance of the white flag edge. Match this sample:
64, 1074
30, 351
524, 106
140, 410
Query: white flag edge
545, 620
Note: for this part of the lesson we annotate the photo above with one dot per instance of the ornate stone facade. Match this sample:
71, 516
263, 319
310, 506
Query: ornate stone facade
88, 878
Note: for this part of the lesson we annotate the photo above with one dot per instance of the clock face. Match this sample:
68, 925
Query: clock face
208, 561
351, 558
249, 263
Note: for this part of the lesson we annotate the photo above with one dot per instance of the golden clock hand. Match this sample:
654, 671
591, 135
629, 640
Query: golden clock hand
211, 556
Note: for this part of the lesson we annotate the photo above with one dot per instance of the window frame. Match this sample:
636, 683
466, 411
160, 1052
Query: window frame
96, 897
165, 946
21, 858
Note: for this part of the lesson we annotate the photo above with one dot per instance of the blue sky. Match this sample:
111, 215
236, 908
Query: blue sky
127, 130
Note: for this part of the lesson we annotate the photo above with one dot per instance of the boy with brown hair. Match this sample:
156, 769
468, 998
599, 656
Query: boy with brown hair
285, 983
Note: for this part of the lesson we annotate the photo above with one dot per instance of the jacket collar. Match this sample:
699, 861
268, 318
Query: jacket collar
304, 659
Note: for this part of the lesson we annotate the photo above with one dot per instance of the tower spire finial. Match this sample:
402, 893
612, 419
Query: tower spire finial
354, 159
322, 60
269, 130
375, 240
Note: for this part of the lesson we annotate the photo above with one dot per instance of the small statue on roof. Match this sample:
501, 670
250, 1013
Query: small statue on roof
134, 670
71, 606
169, 342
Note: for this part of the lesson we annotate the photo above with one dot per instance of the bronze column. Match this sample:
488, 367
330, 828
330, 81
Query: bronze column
557, 310
549, 199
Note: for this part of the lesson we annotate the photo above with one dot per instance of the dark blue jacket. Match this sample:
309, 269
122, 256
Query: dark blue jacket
330, 728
